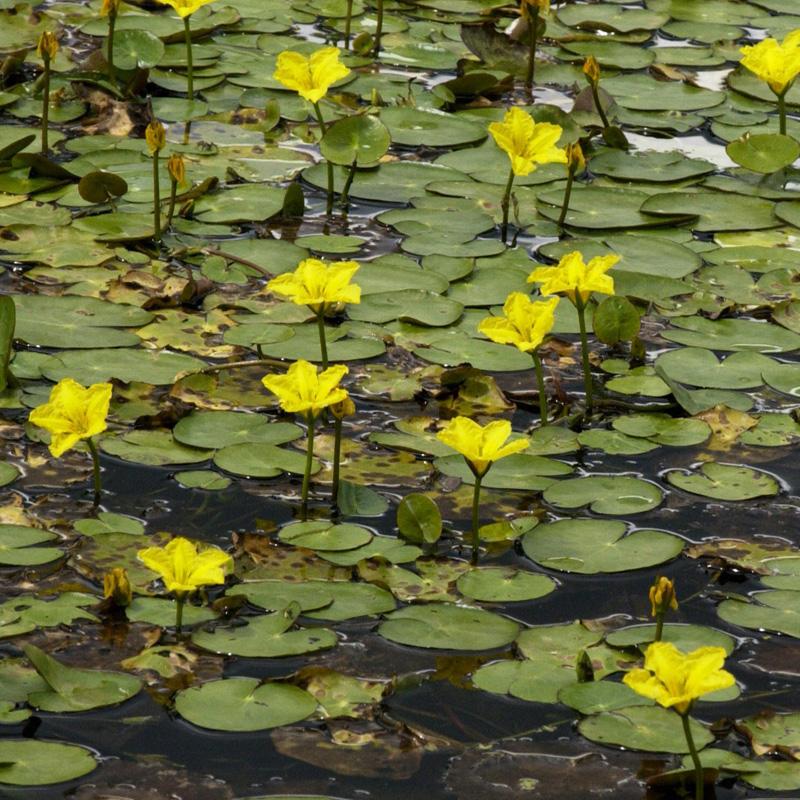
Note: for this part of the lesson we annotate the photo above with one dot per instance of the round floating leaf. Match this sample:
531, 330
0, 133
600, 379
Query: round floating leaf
8, 473
362, 139
261, 460
323, 535
16, 550
419, 519
764, 152
217, 429
503, 585
137, 49
453, 350
590, 546
101, 187
267, 636
725, 482
277, 594
249, 202
614, 442
162, 612
649, 166
413, 127
699, 367
598, 696
518, 471
244, 704
684, 637
649, 728
154, 448
664, 429
732, 334
616, 320
29, 762
605, 494
202, 479
352, 600
715, 211
444, 626
777, 610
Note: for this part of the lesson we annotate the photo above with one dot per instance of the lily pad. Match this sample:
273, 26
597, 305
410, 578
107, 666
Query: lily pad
30, 762
605, 494
725, 482
16, 549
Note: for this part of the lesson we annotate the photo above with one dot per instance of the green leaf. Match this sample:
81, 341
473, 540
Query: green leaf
617, 494
361, 139
29, 762
764, 152
7, 326
616, 320
16, 550
725, 482
419, 519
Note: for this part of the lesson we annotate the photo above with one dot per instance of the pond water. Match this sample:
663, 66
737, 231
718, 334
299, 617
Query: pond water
685, 467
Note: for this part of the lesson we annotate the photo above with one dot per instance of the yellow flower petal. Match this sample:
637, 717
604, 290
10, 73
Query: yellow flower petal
303, 390
319, 285
480, 445
527, 143
183, 568
185, 8
776, 64
310, 77
525, 323
575, 279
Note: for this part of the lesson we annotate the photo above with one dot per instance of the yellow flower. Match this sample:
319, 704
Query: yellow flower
310, 77
480, 445
110, 7
117, 587
318, 285
576, 161
776, 64
184, 568
155, 136
185, 8
675, 679
177, 168
47, 46
344, 408
73, 413
591, 69
662, 596
303, 390
524, 323
527, 143
576, 279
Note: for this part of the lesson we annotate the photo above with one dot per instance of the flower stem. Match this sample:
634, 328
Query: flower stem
156, 200
378, 28
476, 501
112, 25
173, 196
307, 473
324, 129
698, 767
180, 600
46, 105
345, 197
587, 369
505, 203
189, 59
533, 32
537, 364
337, 459
323, 344
348, 23
659, 627
567, 195
98, 487
782, 112
598, 105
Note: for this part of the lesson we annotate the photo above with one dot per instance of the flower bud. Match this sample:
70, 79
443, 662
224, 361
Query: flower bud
117, 587
156, 136
344, 408
591, 69
177, 169
576, 161
662, 597
47, 46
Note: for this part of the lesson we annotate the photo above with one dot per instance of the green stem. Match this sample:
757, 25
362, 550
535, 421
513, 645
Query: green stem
587, 369
46, 105
505, 204
782, 112
337, 458
345, 198
180, 600
156, 200
323, 344
348, 24
378, 29
324, 130
189, 60
476, 501
533, 34
112, 25
567, 195
173, 196
698, 767
598, 105
659, 626
98, 486
537, 364
307, 473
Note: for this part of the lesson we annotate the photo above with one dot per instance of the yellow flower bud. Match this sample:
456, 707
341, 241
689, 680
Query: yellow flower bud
591, 69
662, 596
344, 408
576, 161
117, 587
47, 46
177, 168
156, 136
110, 8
